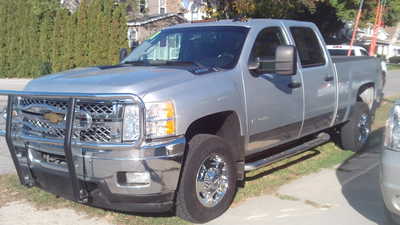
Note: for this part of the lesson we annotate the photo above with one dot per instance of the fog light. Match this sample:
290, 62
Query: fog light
137, 178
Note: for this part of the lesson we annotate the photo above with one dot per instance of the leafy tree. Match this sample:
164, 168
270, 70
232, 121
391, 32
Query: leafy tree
329, 15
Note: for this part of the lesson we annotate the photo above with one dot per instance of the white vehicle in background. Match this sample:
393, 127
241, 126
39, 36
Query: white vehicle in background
342, 50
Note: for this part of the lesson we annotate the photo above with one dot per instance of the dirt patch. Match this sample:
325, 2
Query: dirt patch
23, 213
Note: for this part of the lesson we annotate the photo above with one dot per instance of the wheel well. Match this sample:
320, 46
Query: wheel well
366, 93
225, 125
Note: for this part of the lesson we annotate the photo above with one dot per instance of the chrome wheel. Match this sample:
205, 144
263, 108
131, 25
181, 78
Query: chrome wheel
364, 128
212, 181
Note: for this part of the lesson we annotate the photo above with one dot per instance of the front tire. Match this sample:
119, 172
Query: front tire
355, 133
208, 182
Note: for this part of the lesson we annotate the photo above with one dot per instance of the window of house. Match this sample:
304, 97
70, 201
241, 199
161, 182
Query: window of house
163, 6
142, 6
132, 37
308, 46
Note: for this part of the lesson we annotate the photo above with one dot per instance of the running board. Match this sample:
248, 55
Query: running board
321, 139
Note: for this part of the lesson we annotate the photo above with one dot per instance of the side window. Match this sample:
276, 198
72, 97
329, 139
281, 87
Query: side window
310, 51
266, 44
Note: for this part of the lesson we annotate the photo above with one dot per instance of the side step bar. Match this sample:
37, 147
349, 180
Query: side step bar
321, 139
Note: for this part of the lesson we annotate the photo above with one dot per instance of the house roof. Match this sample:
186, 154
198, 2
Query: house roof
150, 19
393, 33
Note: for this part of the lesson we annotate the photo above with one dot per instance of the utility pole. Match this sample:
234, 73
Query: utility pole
378, 24
355, 28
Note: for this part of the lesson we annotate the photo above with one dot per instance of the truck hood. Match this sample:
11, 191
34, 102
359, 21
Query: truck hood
112, 79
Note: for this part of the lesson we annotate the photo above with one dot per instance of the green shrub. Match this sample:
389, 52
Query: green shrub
39, 37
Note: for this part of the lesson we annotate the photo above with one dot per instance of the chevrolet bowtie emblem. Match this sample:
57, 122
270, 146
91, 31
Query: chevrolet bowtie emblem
53, 117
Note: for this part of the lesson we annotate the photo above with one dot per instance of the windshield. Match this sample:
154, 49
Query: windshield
209, 47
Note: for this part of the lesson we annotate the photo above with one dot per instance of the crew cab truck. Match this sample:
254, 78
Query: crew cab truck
173, 125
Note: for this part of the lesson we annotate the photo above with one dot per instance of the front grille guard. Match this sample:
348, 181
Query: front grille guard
79, 190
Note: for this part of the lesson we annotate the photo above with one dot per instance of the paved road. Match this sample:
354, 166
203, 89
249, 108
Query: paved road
392, 86
6, 165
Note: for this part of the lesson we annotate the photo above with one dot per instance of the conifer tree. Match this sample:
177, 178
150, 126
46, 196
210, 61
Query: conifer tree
69, 42
118, 32
81, 35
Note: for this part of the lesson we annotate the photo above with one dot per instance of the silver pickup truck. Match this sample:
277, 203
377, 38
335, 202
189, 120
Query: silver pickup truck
179, 121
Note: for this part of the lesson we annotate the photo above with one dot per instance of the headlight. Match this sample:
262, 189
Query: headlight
160, 119
392, 133
131, 124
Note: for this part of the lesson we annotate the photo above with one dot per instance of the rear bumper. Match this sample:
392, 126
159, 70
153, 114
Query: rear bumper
390, 180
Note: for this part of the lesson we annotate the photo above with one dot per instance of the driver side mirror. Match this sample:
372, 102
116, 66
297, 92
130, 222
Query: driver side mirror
123, 53
285, 62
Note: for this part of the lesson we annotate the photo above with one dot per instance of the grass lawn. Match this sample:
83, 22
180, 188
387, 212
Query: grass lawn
393, 66
262, 181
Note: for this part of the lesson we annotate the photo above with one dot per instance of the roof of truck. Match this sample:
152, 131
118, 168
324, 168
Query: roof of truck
240, 23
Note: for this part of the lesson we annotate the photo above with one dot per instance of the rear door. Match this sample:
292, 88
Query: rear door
318, 79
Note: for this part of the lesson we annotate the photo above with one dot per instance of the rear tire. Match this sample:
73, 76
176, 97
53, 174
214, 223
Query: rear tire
391, 218
209, 173
354, 134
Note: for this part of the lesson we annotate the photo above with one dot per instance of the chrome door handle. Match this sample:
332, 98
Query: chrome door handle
294, 85
329, 78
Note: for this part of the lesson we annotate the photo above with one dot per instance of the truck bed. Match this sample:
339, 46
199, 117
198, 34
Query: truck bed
354, 70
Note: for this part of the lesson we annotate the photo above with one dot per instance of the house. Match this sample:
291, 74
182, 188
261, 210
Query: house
150, 16
153, 15
141, 29
391, 46
195, 9
388, 40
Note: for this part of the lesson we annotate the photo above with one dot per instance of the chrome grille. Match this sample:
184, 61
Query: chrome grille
95, 108
106, 126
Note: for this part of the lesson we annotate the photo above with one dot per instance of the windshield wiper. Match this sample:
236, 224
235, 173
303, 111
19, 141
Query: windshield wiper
197, 68
183, 63
137, 63
200, 68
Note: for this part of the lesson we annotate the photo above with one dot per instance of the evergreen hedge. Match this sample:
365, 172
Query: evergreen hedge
39, 37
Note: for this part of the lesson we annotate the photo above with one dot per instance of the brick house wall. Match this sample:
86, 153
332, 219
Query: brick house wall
145, 31
138, 31
172, 6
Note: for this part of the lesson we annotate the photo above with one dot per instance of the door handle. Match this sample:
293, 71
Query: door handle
329, 78
294, 85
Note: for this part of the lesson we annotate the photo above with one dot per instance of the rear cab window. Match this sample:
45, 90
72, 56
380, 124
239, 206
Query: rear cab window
309, 47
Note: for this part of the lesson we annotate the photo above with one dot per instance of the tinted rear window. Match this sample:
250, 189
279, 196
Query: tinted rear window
340, 52
309, 47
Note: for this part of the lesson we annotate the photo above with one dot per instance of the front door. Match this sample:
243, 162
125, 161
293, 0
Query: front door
274, 104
